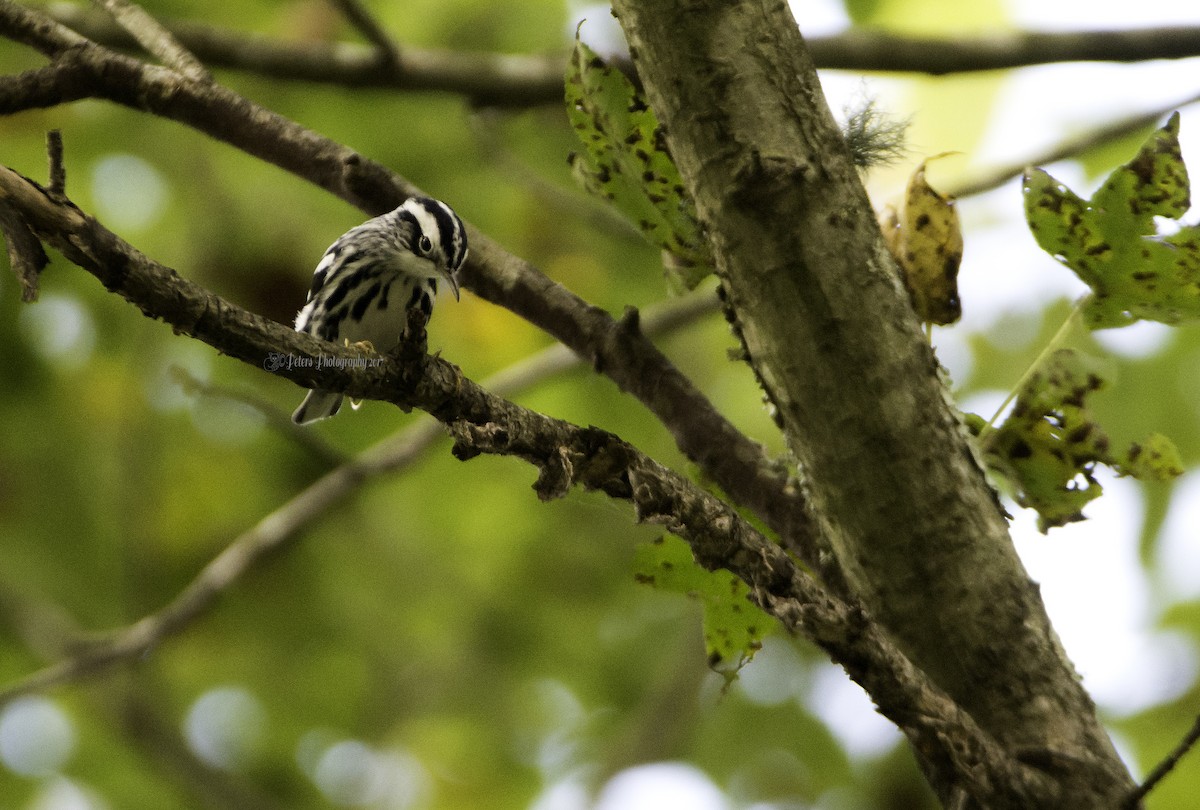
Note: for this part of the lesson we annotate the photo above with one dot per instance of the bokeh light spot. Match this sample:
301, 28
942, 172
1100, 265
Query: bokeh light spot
36, 736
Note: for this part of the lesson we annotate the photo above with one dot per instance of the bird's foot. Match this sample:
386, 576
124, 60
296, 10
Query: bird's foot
364, 346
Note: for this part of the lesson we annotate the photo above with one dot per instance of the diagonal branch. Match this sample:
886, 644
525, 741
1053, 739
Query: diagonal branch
1164, 768
1069, 148
566, 456
615, 348
155, 38
311, 442
370, 28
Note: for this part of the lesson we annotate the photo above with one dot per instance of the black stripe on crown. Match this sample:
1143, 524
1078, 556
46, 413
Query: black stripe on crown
407, 217
451, 233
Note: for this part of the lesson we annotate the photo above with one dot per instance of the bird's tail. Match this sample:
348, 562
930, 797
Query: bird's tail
317, 405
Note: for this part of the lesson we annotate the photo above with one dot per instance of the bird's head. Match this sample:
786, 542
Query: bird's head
439, 237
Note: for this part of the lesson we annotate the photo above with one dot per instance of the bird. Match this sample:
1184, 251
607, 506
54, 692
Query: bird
369, 279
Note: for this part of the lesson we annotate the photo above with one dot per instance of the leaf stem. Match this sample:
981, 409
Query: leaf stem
1054, 343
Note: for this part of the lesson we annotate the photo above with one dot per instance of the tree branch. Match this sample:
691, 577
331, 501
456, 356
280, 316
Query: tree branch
310, 441
510, 79
1068, 148
386, 50
734, 462
566, 456
484, 79
863, 50
1160, 772
156, 39
25, 253
57, 169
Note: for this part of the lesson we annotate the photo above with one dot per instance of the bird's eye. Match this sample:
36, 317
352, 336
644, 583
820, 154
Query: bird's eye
424, 245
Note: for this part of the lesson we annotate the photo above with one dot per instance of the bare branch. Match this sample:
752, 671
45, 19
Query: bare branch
26, 256
279, 421
370, 28
510, 79
1163, 768
863, 50
737, 464
1069, 148
54, 157
599, 214
154, 38
485, 79
25, 253
33, 29
46, 628
56, 83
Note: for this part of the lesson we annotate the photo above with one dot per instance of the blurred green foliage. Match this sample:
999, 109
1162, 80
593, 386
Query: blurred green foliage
443, 635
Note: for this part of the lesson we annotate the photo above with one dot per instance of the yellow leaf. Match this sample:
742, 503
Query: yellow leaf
926, 240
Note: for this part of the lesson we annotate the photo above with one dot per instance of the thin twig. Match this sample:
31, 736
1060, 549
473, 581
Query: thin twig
1051, 346
1165, 767
369, 27
54, 156
601, 215
1069, 148
156, 39
861, 49
280, 422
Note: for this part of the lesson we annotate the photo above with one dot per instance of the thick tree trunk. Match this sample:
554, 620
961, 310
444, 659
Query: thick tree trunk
919, 533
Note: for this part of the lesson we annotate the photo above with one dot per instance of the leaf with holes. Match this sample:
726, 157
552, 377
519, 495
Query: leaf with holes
1048, 447
733, 625
625, 160
1155, 458
925, 238
1112, 243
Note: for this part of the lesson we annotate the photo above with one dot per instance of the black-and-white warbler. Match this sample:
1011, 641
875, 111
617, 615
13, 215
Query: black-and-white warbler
370, 278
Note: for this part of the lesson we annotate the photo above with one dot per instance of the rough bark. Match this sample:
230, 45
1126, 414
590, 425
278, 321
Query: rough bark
918, 531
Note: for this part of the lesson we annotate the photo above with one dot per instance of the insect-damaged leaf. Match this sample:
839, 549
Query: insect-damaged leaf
926, 240
1048, 447
625, 160
1111, 241
733, 626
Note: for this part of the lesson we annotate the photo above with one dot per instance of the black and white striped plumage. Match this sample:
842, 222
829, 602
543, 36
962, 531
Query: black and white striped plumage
372, 275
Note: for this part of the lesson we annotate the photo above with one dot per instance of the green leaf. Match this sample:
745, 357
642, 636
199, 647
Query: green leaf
1048, 447
733, 625
1111, 241
626, 161
1154, 459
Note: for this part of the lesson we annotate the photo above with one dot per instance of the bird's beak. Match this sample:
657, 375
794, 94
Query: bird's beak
450, 277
